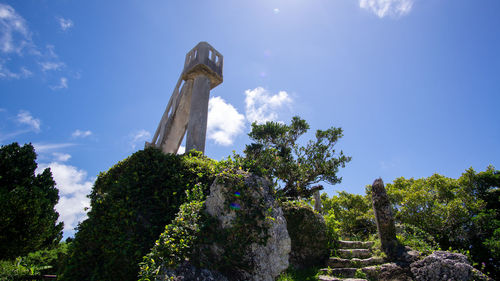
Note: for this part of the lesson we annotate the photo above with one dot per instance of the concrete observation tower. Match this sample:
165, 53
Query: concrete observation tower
187, 109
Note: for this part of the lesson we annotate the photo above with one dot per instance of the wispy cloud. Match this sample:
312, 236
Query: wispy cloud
383, 8
50, 65
73, 185
138, 137
14, 32
224, 121
61, 157
63, 84
25, 117
6, 73
81, 134
20, 56
262, 106
47, 147
65, 24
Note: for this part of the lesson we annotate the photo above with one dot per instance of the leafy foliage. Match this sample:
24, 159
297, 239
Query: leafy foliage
13, 269
276, 151
175, 244
353, 213
28, 221
131, 204
416, 239
306, 274
48, 261
460, 214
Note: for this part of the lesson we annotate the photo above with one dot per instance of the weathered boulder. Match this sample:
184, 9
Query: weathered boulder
445, 266
248, 237
307, 230
188, 272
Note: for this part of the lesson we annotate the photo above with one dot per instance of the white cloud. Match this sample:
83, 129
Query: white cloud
73, 188
262, 106
224, 122
16, 42
8, 74
276, 11
81, 134
65, 24
139, 137
181, 150
383, 8
14, 33
63, 84
47, 147
51, 65
61, 157
24, 117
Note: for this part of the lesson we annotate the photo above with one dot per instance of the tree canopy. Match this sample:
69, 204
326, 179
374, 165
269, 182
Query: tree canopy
28, 221
274, 148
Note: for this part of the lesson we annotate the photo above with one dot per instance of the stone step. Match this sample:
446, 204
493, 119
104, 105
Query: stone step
354, 253
340, 272
355, 262
331, 278
372, 272
355, 244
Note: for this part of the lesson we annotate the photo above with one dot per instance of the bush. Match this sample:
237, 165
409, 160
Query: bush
353, 212
175, 244
308, 232
416, 238
10, 270
131, 204
48, 261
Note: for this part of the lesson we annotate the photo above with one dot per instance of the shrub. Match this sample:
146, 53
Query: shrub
10, 270
416, 238
175, 244
131, 204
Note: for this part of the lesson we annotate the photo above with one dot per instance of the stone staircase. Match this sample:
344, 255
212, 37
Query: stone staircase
355, 260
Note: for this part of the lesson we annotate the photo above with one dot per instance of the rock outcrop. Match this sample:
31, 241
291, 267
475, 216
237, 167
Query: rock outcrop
188, 272
307, 229
251, 240
445, 266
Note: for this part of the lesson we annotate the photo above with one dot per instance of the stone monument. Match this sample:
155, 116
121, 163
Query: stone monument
385, 221
187, 109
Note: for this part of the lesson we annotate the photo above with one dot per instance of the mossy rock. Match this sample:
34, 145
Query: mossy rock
307, 230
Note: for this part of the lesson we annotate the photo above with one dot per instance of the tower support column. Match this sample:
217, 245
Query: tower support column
197, 126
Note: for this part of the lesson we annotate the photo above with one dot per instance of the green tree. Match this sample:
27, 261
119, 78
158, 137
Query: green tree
297, 168
462, 214
130, 205
353, 213
28, 221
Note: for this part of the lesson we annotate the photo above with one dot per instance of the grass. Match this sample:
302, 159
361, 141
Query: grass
291, 274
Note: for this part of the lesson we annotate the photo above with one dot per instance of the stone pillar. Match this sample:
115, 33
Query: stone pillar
385, 220
317, 201
197, 126
177, 124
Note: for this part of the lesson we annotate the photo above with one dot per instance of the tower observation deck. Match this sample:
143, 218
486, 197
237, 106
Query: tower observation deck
187, 108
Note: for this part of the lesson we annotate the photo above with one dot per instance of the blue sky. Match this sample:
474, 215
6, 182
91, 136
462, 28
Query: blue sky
415, 84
